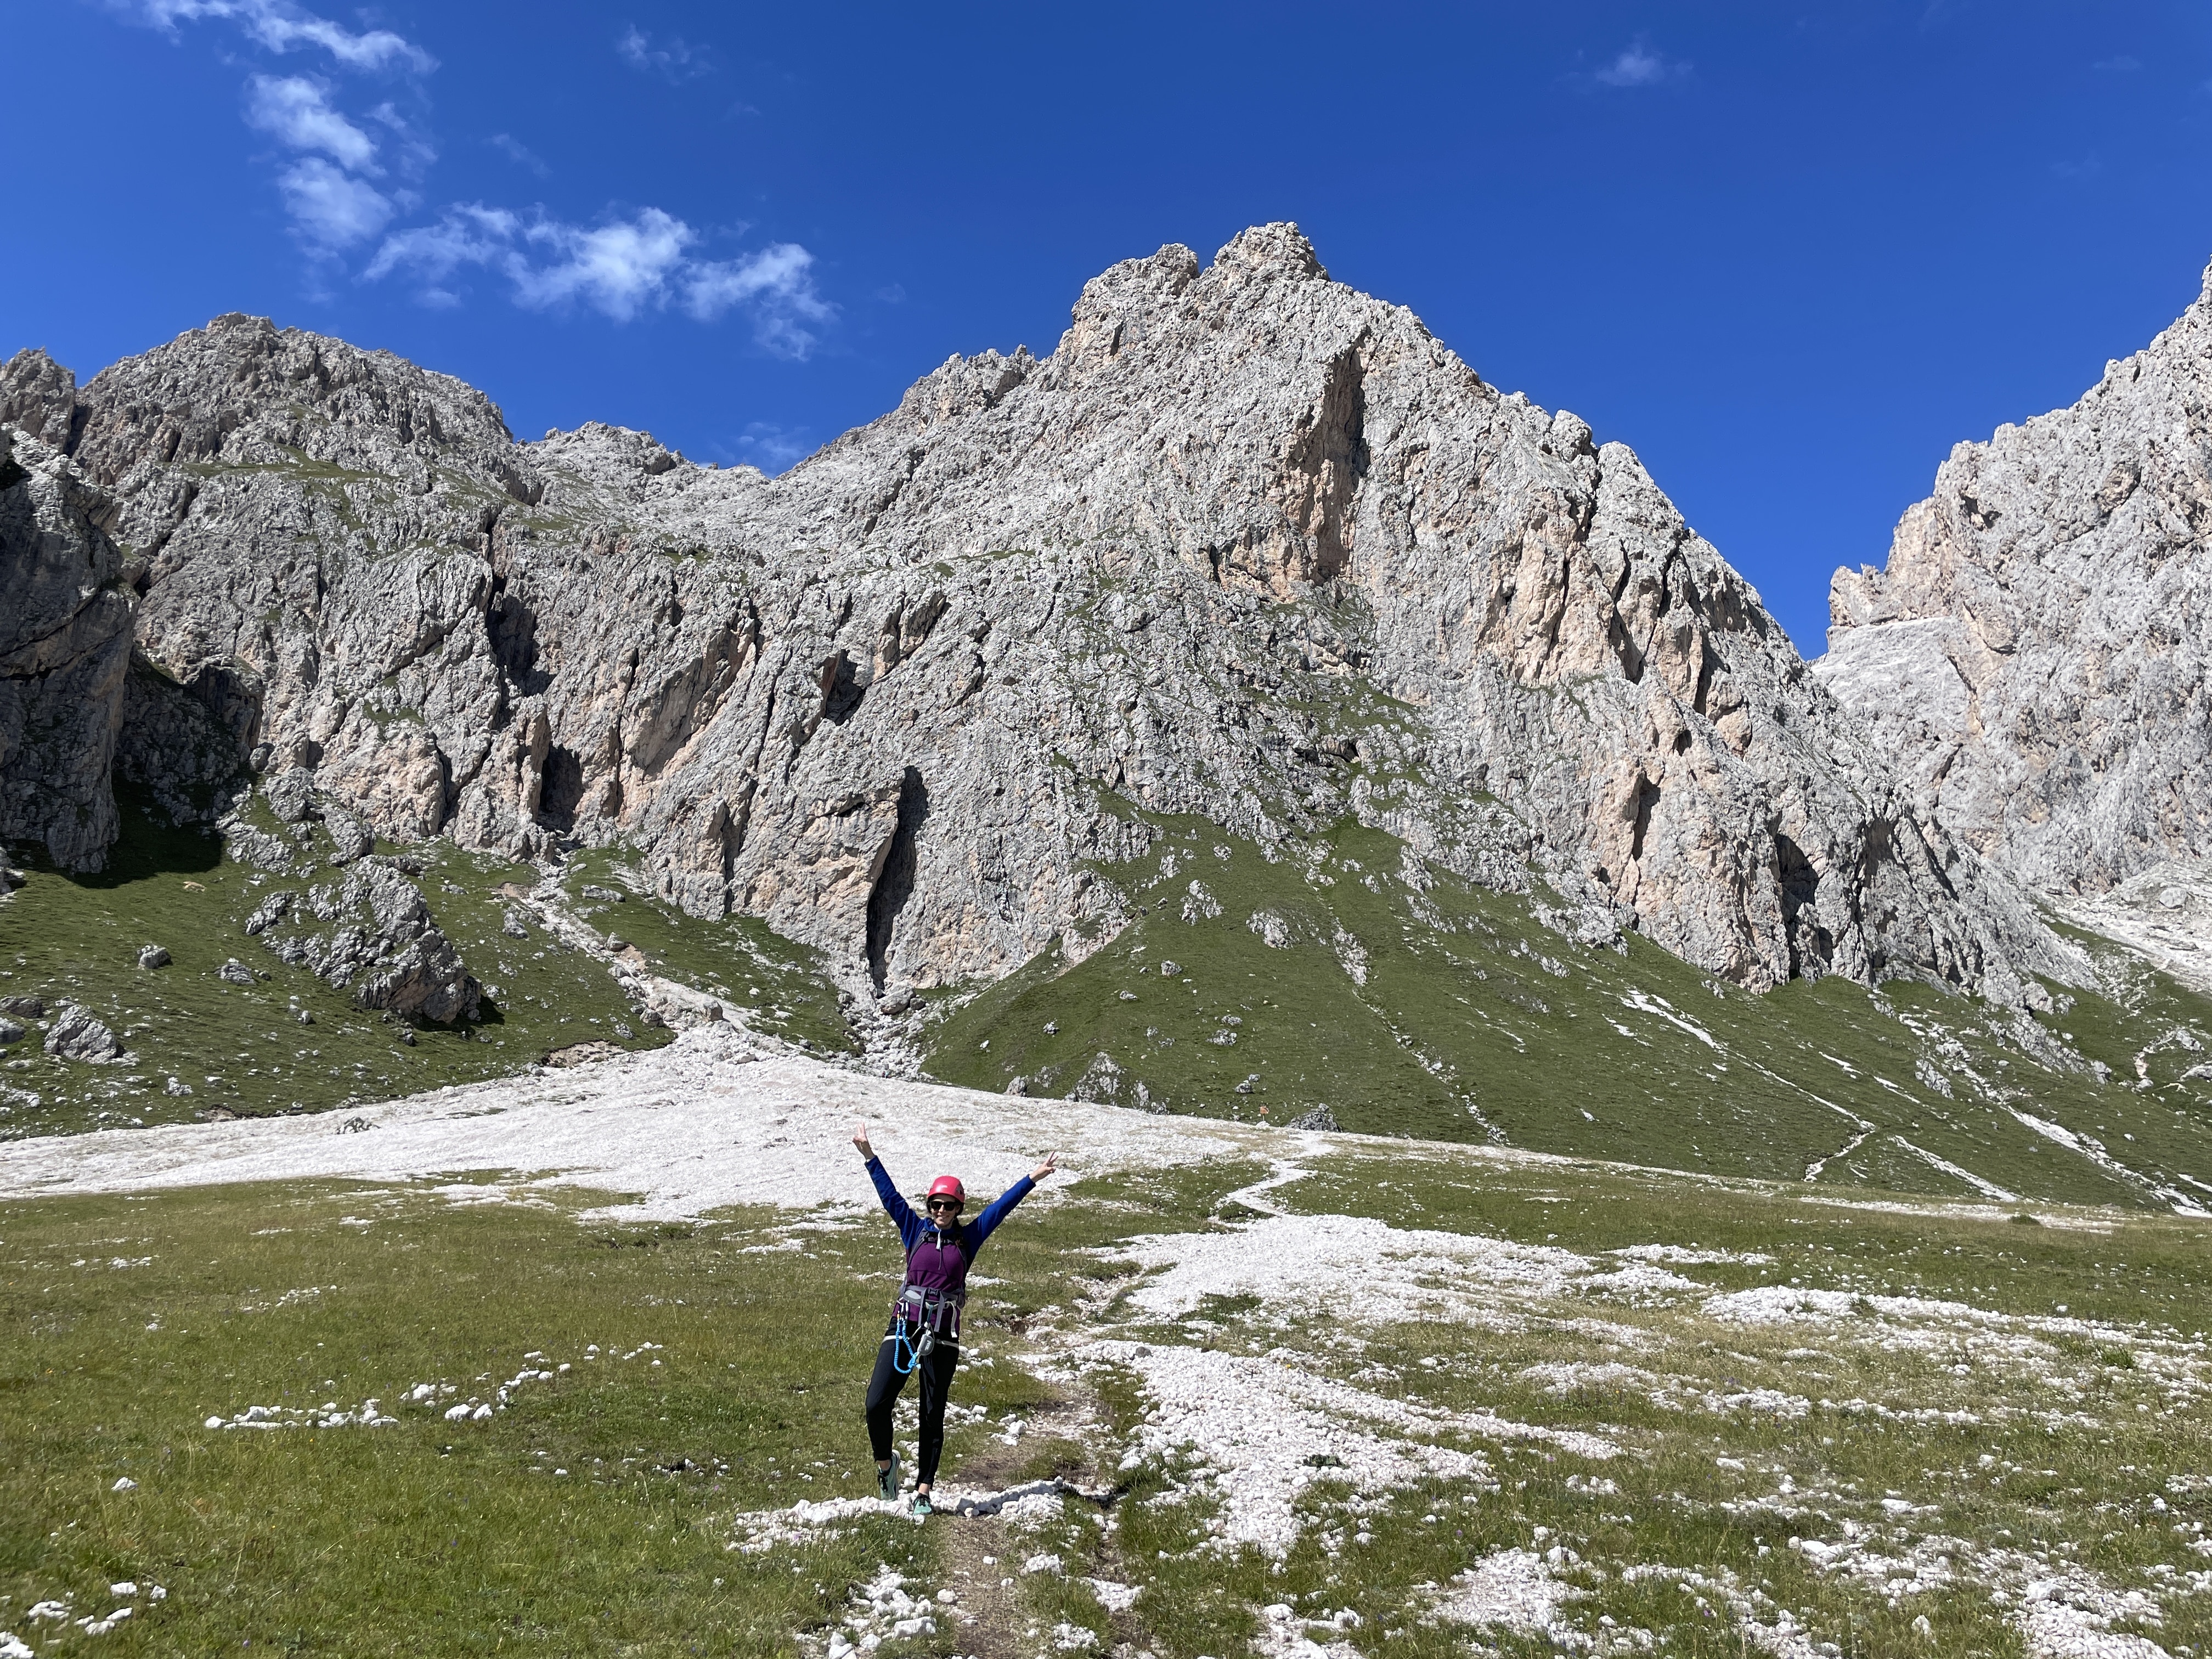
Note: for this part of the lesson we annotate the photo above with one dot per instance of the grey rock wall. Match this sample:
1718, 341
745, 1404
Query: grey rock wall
2034, 653
1247, 544
65, 650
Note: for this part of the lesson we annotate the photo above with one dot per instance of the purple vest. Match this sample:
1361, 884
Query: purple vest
938, 1262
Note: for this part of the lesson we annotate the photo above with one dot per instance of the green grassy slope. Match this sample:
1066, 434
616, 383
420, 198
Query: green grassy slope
1410, 1002
242, 1049
774, 984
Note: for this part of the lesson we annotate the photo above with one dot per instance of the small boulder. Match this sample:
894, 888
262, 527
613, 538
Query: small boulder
1019, 1085
10, 1031
350, 837
234, 972
603, 895
270, 911
153, 955
1169, 969
24, 1007
76, 1035
513, 926
582, 1054
291, 794
1320, 1118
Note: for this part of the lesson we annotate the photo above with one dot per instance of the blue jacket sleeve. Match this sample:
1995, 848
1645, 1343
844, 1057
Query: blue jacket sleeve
895, 1205
997, 1211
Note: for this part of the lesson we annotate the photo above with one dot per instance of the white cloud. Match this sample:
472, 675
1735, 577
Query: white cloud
471, 233
675, 63
1640, 65
2123, 64
415, 152
618, 269
326, 190
281, 27
298, 112
332, 209
776, 285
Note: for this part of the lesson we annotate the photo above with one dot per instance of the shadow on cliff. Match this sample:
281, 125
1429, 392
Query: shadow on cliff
146, 847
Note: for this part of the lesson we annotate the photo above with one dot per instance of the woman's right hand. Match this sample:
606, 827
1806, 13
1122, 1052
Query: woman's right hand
860, 1140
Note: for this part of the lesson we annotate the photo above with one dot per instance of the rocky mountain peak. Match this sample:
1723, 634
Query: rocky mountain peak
2031, 654
243, 391
1249, 546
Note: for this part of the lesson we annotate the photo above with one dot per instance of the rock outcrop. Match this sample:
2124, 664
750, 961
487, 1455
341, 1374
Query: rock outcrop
75, 1034
370, 933
64, 652
2035, 655
1249, 545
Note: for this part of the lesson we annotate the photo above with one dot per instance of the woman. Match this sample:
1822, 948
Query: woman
925, 1329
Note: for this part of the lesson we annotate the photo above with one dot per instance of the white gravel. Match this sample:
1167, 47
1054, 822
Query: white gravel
1352, 1269
1511, 1589
714, 1119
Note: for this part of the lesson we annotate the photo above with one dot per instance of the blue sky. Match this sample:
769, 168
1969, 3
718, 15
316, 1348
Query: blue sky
1789, 253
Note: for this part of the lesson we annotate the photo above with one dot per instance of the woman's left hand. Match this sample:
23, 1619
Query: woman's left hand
1051, 1163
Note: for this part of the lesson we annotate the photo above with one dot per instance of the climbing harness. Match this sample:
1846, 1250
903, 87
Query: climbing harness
933, 1314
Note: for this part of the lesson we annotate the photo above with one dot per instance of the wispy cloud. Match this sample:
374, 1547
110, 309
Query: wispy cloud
1640, 64
620, 269
2089, 167
675, 63
774, 287
770, 447
351, 173
330, 209
297, 112
519, 153
326, 186
281, 28
2121, 65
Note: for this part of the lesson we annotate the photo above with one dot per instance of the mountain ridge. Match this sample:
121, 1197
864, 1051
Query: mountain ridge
1180, 558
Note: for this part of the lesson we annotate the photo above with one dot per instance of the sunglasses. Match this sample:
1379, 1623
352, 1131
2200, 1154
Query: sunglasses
937, 1203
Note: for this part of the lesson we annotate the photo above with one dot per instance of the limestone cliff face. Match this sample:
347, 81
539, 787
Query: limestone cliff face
2035, 653
1247, 544
64, 651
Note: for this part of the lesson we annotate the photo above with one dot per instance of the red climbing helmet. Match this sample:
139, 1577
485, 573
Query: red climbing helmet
948, 1186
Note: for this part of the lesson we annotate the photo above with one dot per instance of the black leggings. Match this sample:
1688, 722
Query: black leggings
935, 1368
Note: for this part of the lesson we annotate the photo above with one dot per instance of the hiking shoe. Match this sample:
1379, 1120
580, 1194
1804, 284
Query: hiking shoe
922, 1506
887, 1481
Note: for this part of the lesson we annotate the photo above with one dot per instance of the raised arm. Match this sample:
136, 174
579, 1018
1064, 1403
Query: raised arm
1001, 1206
894, 1202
